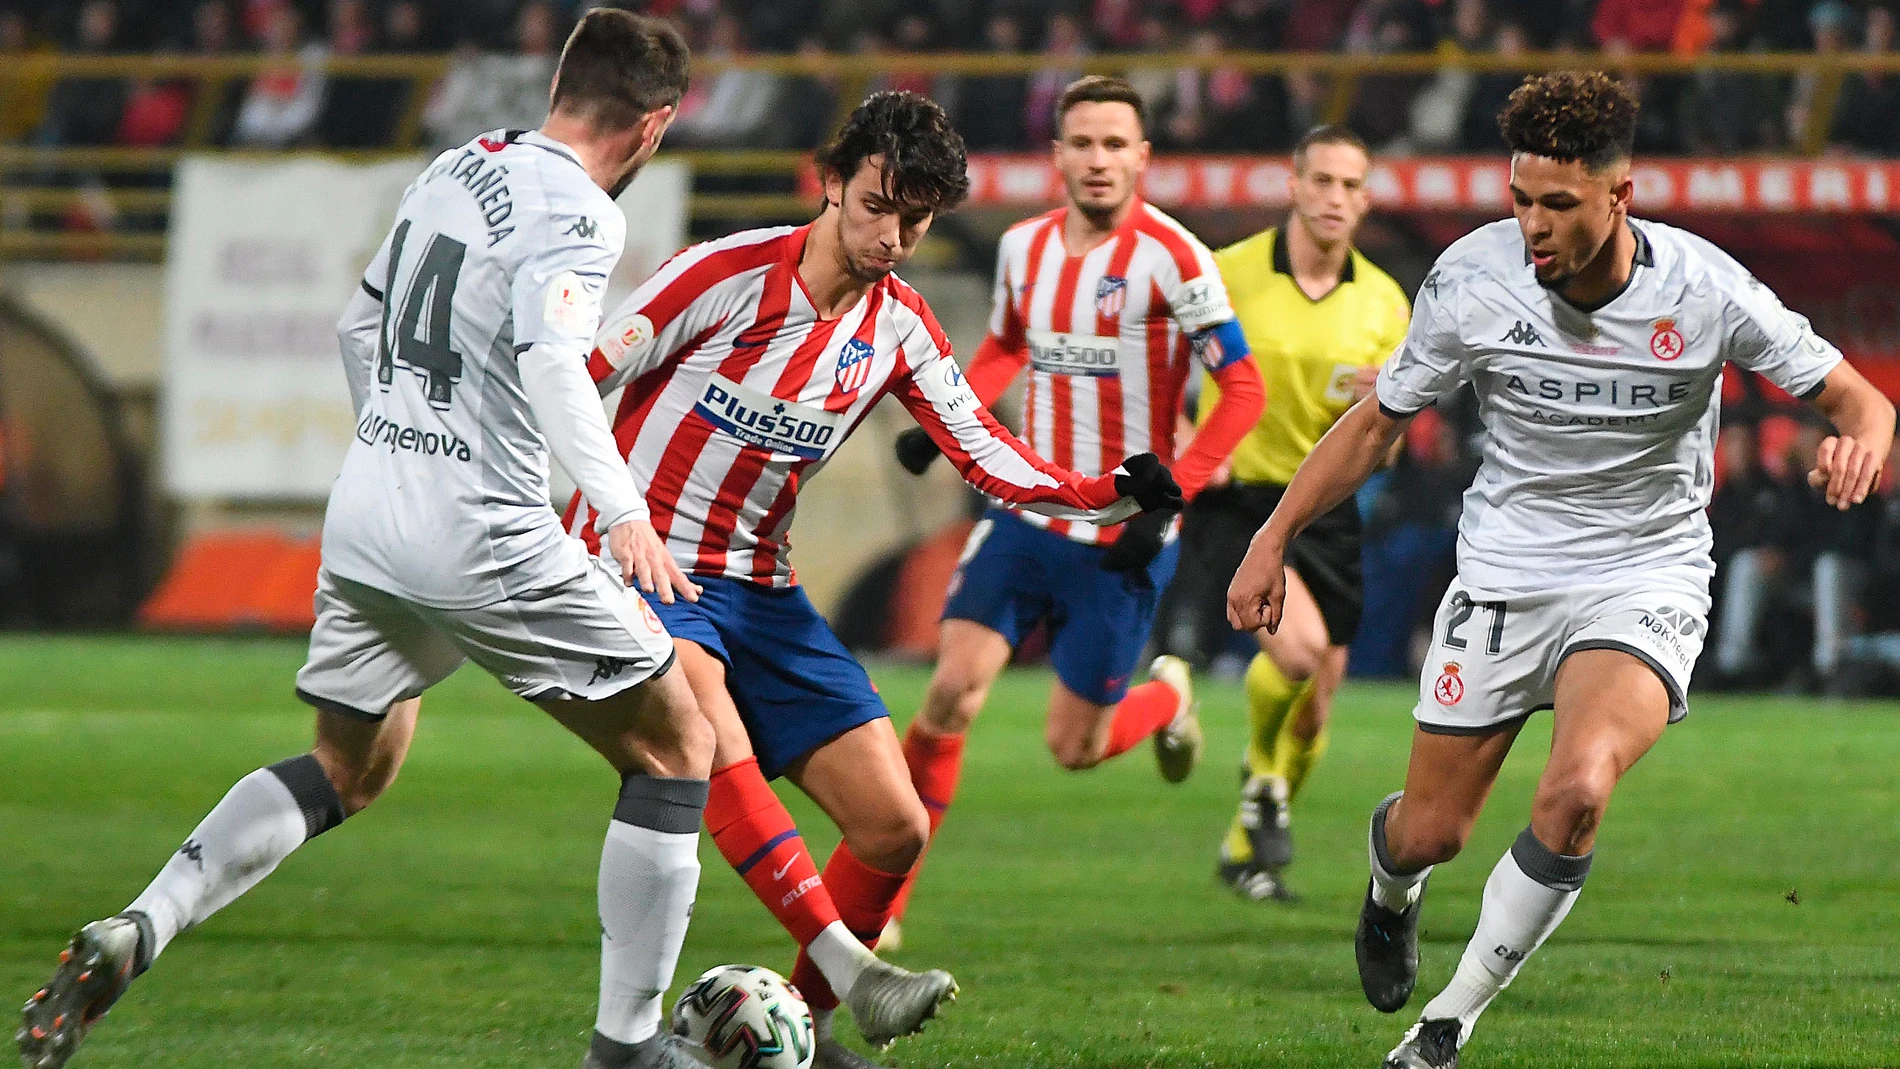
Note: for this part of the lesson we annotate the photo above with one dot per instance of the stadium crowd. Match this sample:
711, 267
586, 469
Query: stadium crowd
504, 54
1805, 598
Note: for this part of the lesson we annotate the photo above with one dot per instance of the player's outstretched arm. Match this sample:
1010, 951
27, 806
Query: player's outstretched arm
991, 370
1338, 465
1847, 465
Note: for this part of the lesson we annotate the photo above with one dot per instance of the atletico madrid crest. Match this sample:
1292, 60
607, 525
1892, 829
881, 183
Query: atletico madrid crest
854, 365
1111, 296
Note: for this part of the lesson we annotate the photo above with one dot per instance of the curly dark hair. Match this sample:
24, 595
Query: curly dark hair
1571, 115
925, 165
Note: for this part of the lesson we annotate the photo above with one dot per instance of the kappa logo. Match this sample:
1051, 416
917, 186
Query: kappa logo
585, 227
606, 668
194, 850
1523, 334
1666, 342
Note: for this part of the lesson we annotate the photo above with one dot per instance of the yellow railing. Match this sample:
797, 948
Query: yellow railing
25, 194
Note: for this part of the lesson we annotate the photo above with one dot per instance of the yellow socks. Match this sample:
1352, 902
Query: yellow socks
1270, 698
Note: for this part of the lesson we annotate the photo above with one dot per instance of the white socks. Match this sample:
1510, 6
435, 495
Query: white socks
1394, 890
649, 873
840, 956
1527, 896
264, 817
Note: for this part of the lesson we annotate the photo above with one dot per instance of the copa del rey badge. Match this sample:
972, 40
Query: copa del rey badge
1665, 341
1449, 689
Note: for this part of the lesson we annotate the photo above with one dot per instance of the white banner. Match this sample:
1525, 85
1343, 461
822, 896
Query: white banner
262, 257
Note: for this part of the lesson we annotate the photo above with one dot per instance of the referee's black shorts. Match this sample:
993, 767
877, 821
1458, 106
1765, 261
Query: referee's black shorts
1221, 521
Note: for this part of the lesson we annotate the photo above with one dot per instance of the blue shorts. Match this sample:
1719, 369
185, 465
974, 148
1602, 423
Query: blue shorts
795, 684
1014, 574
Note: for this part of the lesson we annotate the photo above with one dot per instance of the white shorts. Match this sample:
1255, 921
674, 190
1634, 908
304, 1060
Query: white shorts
589, 638
1493, 660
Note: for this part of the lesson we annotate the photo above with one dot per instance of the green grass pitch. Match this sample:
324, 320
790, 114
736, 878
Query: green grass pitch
452, 925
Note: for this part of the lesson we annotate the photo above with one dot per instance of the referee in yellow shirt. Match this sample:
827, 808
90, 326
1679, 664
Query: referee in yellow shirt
1321, 318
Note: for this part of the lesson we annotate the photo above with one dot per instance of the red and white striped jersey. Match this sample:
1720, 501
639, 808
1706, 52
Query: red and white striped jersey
736, 392
1107, 338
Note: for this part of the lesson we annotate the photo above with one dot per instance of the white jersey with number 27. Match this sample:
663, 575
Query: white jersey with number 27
443, 497
1599, 424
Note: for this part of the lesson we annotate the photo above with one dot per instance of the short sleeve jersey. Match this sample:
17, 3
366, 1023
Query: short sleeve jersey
1598, 456
443, 497
1309, 352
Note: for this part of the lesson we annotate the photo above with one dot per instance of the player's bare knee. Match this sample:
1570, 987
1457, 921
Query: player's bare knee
1569, 805
891, 841
1073, 750
953, 701
357, 779
1416, 839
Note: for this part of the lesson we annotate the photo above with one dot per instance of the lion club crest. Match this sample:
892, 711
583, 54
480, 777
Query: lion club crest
854, 365
1111, 296
1666, 341
1449, 690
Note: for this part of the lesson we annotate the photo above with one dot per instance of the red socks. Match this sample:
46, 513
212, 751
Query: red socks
936, 763
757, 837
1146, 710
865, 899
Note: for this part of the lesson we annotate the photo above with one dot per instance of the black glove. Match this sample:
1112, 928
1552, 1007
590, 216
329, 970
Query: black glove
1141, 539
915, 450
1144, 478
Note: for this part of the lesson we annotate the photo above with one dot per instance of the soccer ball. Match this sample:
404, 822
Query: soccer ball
745, 1017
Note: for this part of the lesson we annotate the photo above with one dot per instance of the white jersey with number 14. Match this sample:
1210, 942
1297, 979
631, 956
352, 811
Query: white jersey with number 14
443, 498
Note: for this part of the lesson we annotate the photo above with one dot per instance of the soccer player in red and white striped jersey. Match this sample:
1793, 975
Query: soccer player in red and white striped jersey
1107, 302
747, 362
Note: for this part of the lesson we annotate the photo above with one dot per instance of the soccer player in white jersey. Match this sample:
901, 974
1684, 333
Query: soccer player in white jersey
747, 363
1109, 303
1595, 343
466, 352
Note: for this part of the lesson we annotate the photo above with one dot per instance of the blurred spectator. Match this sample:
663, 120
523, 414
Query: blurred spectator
357, 111
1623, 26
1411, 537
1117, 23
283, 102
22, 97
1808, 564
1492, 91
914, 34
1868, 117
496, 90
1063, 39
1317, 25
734, 110
1438, 111
1382, 108
1727, 112
808, 104
1830, 23
1255, 25
87, 111
990, 116
1218, 110
15, 36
